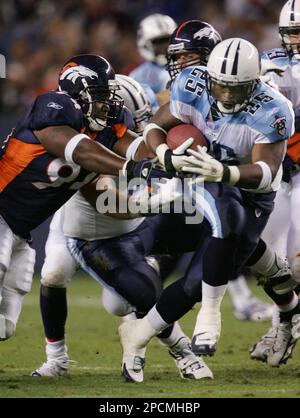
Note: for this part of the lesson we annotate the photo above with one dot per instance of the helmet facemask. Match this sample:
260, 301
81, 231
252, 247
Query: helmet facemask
231, 97
158, 47
290, 39
101, 106
178, 59
141, 118
233, 72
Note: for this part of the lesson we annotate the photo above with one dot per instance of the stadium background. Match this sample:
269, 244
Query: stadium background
38, 36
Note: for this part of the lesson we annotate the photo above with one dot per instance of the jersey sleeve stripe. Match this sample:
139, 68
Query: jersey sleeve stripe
17, 157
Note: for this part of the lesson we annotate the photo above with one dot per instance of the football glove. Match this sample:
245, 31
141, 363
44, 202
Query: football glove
203, 164
173, 161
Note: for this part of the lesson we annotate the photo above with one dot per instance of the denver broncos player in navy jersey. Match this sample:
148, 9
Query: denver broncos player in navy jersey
53, 151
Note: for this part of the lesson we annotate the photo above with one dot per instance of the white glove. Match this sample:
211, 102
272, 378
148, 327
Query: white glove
172, 161
204, 165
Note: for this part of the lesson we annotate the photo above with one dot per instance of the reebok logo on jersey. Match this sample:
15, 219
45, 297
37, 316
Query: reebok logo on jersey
55, 105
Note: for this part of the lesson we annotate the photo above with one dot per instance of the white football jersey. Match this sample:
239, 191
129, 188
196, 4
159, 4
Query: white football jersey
82, 221
268, 118
289, 82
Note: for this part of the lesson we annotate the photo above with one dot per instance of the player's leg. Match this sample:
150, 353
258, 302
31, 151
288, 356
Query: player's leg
124, 269
174, 302
277, 345
219, 260
293, 244
275, 235
6, 248
57, 271
16, 284
276, 231
16, 269
246, 306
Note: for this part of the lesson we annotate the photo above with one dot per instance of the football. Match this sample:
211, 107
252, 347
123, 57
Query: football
177, 135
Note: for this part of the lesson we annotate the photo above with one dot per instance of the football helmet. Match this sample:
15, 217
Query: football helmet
289, 28
233, 71
153, 36
195, 40
90, 80
136, 100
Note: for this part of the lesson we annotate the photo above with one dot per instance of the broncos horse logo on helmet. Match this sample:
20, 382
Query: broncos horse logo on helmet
194, 39
90, 80
73, 72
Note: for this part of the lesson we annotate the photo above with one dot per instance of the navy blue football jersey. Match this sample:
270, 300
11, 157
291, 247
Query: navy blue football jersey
34, 183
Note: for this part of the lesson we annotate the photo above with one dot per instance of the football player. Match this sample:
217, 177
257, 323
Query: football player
52, 152
247, 124
130, 276
191, 44
283, 228
153, 36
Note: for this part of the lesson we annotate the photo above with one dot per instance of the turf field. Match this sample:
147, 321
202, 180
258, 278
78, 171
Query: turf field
93, 343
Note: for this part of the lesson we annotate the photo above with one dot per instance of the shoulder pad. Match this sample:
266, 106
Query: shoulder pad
55, 109
277, 55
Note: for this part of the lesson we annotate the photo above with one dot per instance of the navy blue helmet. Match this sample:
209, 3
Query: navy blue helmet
194, 37
90, 80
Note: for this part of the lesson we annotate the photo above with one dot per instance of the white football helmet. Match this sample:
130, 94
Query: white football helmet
153, 36
289, 28
136, 100
233, 71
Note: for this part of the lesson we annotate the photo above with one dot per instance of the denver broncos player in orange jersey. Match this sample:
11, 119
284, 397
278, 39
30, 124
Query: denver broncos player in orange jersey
47, 158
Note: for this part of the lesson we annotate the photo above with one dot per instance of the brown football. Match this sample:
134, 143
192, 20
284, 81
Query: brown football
180, 133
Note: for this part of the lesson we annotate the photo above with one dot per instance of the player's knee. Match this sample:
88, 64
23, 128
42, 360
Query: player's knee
115, 304
7, 328
151, 286
55, 278
139, 285
235, 218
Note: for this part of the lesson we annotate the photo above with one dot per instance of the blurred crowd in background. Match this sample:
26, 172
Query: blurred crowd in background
38, 36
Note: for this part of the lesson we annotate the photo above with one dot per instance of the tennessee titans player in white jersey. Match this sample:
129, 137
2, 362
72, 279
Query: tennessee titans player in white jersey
247, 124
153, 35
283, 229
